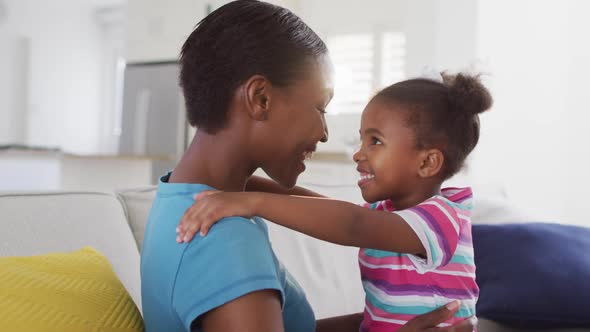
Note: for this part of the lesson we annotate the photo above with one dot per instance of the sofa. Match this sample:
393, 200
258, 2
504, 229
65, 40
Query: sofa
114, 223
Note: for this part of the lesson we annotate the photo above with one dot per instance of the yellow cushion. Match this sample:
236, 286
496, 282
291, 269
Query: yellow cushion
63, 292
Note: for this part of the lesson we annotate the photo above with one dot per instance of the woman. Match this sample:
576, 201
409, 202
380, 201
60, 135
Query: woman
256, 81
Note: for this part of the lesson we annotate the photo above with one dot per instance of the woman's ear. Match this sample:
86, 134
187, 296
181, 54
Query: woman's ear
431, 163
258, 92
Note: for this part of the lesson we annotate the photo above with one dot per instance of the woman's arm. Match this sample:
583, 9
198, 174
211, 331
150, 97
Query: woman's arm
257, 311
347, 323
257, 183
325, 219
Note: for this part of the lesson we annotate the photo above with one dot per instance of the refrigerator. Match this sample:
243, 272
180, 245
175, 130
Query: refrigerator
153, 119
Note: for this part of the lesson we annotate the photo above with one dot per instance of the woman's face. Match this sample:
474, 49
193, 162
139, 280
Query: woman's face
297, 123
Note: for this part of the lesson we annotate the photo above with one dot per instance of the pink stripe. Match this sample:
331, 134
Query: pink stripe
457, 194
392, 260
457, 267
371, 326
441, 216
464, 214
384, 314
414, 278
454, 320
465, 235
441, 226
405, 260
445, 206
379, 207
462, 200
426, 220
466, 230
388, 206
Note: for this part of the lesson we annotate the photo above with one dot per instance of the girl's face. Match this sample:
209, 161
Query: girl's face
297, 123
387, 160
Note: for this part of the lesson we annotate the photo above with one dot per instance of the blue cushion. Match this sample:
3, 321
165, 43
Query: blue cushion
533, 275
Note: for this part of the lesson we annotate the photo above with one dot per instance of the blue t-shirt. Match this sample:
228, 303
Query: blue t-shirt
180, 282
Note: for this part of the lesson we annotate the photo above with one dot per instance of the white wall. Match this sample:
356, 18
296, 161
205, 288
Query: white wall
439, 34
577, 121
62, 107
533, 142
157, 29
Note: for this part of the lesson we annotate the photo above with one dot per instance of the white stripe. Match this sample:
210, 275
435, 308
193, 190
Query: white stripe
466, 218
413, 268
394, 321
386, 320
432, 301
452, 191
387, 266
455, 273
420, 227
432, 238
453, 221
417, 224
465, 251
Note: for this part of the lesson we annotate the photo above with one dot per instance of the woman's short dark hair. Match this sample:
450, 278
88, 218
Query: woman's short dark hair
241, 39
443, 115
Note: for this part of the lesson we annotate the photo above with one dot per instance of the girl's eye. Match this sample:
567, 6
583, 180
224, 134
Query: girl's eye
321, 110
375, 141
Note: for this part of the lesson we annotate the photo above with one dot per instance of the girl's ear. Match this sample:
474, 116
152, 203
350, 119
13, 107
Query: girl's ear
431, 163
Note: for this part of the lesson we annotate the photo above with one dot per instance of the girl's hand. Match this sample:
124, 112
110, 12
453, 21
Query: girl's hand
209, 208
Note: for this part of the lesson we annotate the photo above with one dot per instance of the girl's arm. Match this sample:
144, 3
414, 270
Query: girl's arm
325, 219
257, 183
339, 222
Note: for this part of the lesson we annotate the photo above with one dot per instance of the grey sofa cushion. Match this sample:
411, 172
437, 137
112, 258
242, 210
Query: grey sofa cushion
137, 204
39, 223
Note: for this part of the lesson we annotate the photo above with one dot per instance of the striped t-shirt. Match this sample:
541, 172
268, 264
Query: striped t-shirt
399, 287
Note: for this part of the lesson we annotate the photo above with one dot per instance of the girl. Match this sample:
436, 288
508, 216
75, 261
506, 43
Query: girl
415, 238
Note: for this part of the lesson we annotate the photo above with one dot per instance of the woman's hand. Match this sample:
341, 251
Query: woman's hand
209, 208
428, 321
423, 323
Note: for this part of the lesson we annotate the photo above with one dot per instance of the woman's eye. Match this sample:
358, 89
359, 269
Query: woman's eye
321, 110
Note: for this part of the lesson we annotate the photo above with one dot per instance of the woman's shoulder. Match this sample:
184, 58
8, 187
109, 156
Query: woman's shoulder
234, 238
